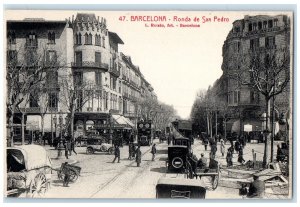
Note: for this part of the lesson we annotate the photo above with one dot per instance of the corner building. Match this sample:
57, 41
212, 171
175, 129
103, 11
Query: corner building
253, 34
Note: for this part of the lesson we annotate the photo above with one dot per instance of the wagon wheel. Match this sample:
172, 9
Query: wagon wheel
38, 185
215, 180
73, 175
59, 174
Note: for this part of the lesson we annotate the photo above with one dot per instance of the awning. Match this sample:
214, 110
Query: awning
121, 120
33, 122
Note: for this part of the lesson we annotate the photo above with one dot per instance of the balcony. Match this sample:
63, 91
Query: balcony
37, 110
129, 114
114, 72
261, 31
31, 45
90, 64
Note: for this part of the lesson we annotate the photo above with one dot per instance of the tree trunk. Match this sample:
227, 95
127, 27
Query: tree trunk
266, 134
211, 130
23, 128
216, 123
225, 130
207, 120
72, 124
43, 124
10, 139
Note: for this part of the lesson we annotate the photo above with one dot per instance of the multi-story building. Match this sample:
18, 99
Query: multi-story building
107, 83
32, 42
259, 35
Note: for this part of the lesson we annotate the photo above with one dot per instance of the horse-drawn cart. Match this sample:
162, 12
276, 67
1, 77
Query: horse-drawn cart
28, 170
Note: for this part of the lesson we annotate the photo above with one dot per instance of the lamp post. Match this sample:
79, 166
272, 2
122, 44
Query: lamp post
55, 124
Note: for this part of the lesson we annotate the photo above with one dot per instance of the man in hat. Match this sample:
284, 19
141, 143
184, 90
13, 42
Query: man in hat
202, 163
117, 154
153, 151
138, 157
257, 188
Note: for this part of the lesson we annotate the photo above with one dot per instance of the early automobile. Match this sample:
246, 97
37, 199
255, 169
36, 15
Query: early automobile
98, 145
177, 155
28, 170
179, 189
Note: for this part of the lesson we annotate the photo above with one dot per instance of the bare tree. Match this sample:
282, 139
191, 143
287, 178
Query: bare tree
26, 73
267, 72
74, 95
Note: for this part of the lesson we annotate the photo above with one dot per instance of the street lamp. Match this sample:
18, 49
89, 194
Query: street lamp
60, 146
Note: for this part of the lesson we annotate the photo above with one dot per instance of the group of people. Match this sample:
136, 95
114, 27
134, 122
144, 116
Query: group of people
134, 152
237, 147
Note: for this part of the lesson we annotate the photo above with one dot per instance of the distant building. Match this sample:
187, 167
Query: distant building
253, 34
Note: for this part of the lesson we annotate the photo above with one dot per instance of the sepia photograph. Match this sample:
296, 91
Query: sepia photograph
148, 104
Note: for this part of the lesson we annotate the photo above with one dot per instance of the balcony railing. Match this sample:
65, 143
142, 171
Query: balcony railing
38, 110
31, 44
254, 32
114, 72
90, 64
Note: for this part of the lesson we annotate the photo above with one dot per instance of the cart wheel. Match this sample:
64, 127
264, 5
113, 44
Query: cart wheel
89, 150
73, 175
215, 181
111, 150
38, 186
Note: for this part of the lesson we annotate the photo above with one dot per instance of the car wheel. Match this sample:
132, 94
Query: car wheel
89, 150
111, 150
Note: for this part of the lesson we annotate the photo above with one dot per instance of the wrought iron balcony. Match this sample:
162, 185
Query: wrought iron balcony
90, 64
114, 72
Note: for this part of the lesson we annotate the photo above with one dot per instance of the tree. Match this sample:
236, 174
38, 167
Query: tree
74, 94
267, 71
26, 73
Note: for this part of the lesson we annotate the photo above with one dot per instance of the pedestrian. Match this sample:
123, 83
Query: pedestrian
138, 157
229, 158
130, 149
153, 151
117, 154
66, 151
222, 146
240, 156
279, 156
73, 146
213, 150
256, 188
205, 142
202, 162
66, 173
237, 146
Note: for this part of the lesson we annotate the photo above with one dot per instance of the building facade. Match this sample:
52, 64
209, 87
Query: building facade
253, 37
107, 86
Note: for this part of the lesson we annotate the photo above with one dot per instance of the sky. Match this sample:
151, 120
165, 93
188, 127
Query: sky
177, 61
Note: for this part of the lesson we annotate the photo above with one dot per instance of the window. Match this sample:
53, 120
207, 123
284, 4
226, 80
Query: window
31, 40
254, 26
89, 98
78, 58
103, 42
88, 38
250, 27
98, 77
236, 97
33, 102
106, 100
275, 22
252, 97
53, 100
237, 29
265, 23
31, 57
78, 39
78, 78
11, 36
79, 100
99, 99
120, 103
52, 78
269, 42
119, 86
259, 25
270, 24
51, 38
98, 58
254, 44
12, 56
97, 40
237, 46
51, 57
